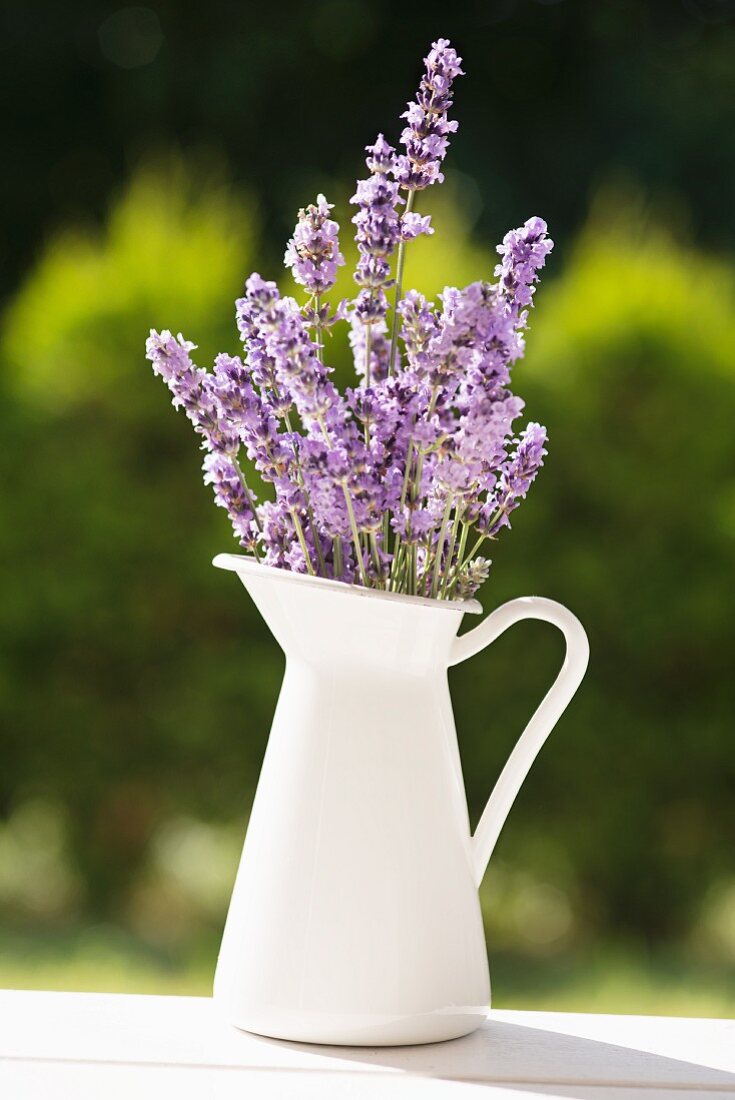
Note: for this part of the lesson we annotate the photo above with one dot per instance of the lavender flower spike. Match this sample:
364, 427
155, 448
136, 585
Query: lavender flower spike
196, 391
223, 474
192, 390
169, 356
425, 138
516, 477
524, 253
378, 231
313, 252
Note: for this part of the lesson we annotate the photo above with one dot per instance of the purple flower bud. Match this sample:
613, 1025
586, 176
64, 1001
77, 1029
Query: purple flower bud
378, 231
380, 156
473, 575
313, 252
524, 253
425, 138
222, 474
191, 389
516, 477
413, 225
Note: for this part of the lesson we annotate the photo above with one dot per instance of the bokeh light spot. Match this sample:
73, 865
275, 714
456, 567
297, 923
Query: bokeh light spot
131, 37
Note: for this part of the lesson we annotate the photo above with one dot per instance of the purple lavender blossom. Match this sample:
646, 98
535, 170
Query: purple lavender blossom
420, 333
191, 389
299, 370
380, 228
524, 253
415, 225
321, 479
313, 252
425, 138
223, 474
479, 445
251, 416
472, 576
257, 307
378, 232
198, 394
256, 314
389, 484
381, 157
171, 361
516, 477
278, 534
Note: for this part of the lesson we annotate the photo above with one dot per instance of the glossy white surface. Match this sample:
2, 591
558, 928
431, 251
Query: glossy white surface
355, 917
85, 1046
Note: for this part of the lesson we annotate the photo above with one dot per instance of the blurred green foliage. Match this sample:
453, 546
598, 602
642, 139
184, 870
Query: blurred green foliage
124, 679
137, 684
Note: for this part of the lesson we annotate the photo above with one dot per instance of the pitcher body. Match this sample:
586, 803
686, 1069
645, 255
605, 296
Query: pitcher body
355, 916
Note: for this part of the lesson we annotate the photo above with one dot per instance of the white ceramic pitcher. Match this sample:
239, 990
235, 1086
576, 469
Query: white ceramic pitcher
355, 917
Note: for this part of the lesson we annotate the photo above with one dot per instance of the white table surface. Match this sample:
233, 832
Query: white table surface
86, 1045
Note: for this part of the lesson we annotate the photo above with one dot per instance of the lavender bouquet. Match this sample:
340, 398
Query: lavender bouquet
398, 483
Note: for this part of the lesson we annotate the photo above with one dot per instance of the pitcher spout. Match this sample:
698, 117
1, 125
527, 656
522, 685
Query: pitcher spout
327, 622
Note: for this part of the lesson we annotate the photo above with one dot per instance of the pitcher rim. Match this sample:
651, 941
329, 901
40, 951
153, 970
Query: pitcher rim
244, 563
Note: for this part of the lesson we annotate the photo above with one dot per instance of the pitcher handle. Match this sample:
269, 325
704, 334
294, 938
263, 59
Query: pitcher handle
544, 719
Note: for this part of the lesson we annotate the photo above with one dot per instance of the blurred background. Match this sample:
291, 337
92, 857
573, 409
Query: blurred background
155, 155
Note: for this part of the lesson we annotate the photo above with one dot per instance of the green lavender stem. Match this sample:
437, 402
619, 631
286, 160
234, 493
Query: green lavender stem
375, 554
246, 491
318, 327
438, 553
460, 559
368, 346
450, 551
400, 264
355, 534
368, 351
475, 548
302, 541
